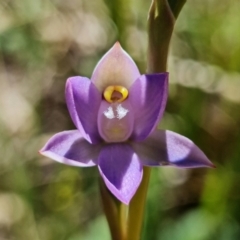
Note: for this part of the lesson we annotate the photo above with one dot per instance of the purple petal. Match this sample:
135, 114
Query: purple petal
83, 101
70, 148
121, 170
168, 148
148, 97
115, 68
115, 121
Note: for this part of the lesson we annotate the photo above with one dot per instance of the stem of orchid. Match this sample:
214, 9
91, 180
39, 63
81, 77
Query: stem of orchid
111, 209
161, 19
126, 222
160, 27
123, 220
115, 213
136, 208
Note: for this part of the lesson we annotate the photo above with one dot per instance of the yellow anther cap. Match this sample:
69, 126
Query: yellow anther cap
115, 94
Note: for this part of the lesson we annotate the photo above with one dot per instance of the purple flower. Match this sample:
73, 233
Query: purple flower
116, 115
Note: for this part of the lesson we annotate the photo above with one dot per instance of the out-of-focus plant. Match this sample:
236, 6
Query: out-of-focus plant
42, 43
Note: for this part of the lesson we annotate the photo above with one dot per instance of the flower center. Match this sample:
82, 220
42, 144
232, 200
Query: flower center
115, 93
115, 118
115, 121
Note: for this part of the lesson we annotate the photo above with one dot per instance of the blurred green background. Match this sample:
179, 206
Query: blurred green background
42, 42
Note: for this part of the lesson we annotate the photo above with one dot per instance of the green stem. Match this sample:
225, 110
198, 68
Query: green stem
136, 208
126, 222
115, 212
160, 27
123, 220
161, 21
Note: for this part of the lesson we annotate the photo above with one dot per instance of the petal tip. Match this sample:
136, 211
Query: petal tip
41, 151
117, 45
125, 201
71, 79
118, 52
211, 165
44, 153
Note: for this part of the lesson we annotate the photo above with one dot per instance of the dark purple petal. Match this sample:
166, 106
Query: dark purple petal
115, 121
121, 170
115, 68
168, 148
148, 97
70, 148
83, 101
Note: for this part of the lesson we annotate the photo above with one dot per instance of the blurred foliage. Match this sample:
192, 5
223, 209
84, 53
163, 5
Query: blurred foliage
43, 42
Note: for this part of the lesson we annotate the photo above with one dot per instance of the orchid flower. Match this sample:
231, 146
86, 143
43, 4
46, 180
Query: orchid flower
116, 115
